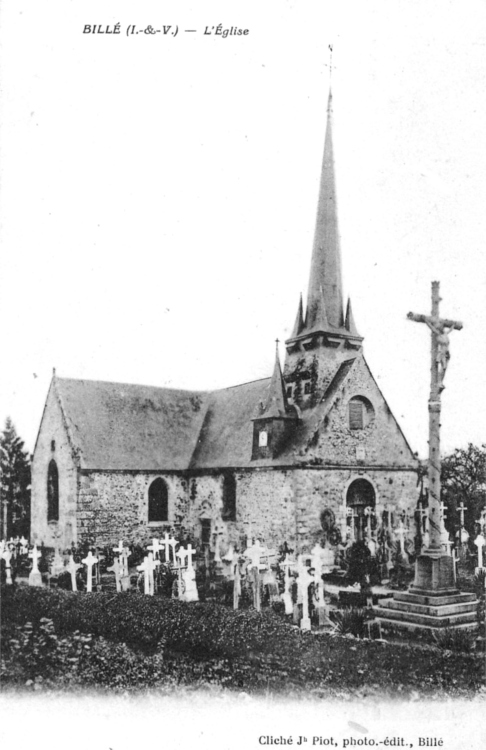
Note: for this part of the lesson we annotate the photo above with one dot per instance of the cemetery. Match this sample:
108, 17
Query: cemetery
132, 617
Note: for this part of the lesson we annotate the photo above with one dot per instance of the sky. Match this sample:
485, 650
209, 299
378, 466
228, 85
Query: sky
158, 193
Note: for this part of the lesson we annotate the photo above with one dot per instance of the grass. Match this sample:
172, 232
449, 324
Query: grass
63, 640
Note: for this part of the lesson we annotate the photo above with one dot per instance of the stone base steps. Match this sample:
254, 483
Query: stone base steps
412, 611
413, 626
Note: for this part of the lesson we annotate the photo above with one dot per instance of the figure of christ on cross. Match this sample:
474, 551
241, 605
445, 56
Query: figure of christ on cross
440, 356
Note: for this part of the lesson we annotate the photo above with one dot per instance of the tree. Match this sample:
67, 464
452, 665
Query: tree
14, 484
463, 479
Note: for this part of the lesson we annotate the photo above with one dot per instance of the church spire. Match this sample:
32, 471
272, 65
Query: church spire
349, 323
325, 271
276, 406
299, 320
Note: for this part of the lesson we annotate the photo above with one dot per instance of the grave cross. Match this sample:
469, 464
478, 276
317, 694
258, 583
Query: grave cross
369, 512
35, 554
461, 512
440, 355
304, 581
155, 547
145, 569
218, 533
479, 542
72, 568
7, 556
401, 531
152, 565
287, 595
89, 561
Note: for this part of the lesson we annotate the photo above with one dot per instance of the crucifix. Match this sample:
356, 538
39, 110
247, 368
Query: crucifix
440, 355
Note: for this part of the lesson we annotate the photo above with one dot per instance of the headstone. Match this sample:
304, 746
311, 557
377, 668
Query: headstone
89, 561
115, 568
35, 577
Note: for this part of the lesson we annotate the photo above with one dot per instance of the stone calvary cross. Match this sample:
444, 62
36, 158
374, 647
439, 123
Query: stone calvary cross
440, 356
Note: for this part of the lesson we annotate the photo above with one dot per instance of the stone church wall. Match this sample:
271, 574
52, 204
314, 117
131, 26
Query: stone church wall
52, 444
380, 442
114, 506
276, 505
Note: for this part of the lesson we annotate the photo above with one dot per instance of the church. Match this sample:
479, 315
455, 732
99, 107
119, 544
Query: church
311, 453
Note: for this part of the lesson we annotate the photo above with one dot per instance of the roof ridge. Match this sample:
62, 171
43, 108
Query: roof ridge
162, 387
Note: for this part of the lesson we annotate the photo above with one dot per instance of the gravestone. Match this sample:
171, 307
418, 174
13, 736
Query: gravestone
116, 569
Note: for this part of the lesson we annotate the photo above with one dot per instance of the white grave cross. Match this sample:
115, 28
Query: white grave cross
72, 568
89, 561
479, 542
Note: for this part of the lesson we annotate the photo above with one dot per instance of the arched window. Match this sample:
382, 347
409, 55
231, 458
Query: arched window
52, 492
360, 413
229, 498
158, 502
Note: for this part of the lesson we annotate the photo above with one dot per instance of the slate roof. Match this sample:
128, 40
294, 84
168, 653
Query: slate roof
118, 426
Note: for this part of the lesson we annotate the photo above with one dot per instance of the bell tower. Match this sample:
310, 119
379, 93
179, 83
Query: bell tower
324, 336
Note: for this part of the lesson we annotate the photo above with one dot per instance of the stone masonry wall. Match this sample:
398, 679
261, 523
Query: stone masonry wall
275, 505
381, 441
52, 429
114, 506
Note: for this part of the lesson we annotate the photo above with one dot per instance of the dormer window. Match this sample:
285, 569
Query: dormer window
263, 439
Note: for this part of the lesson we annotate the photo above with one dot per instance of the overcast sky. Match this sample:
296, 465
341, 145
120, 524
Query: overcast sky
159, 193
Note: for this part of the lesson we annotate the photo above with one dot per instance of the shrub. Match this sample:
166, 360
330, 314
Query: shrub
350, 620
453, 639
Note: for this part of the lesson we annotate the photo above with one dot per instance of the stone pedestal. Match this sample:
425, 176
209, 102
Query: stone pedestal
432, 602
35, 578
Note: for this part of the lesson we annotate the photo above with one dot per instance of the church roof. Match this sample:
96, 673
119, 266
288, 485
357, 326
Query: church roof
122, 426
125, 427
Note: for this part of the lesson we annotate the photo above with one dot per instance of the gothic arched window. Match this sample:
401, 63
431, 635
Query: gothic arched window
229, 498
52, 492
158, 502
